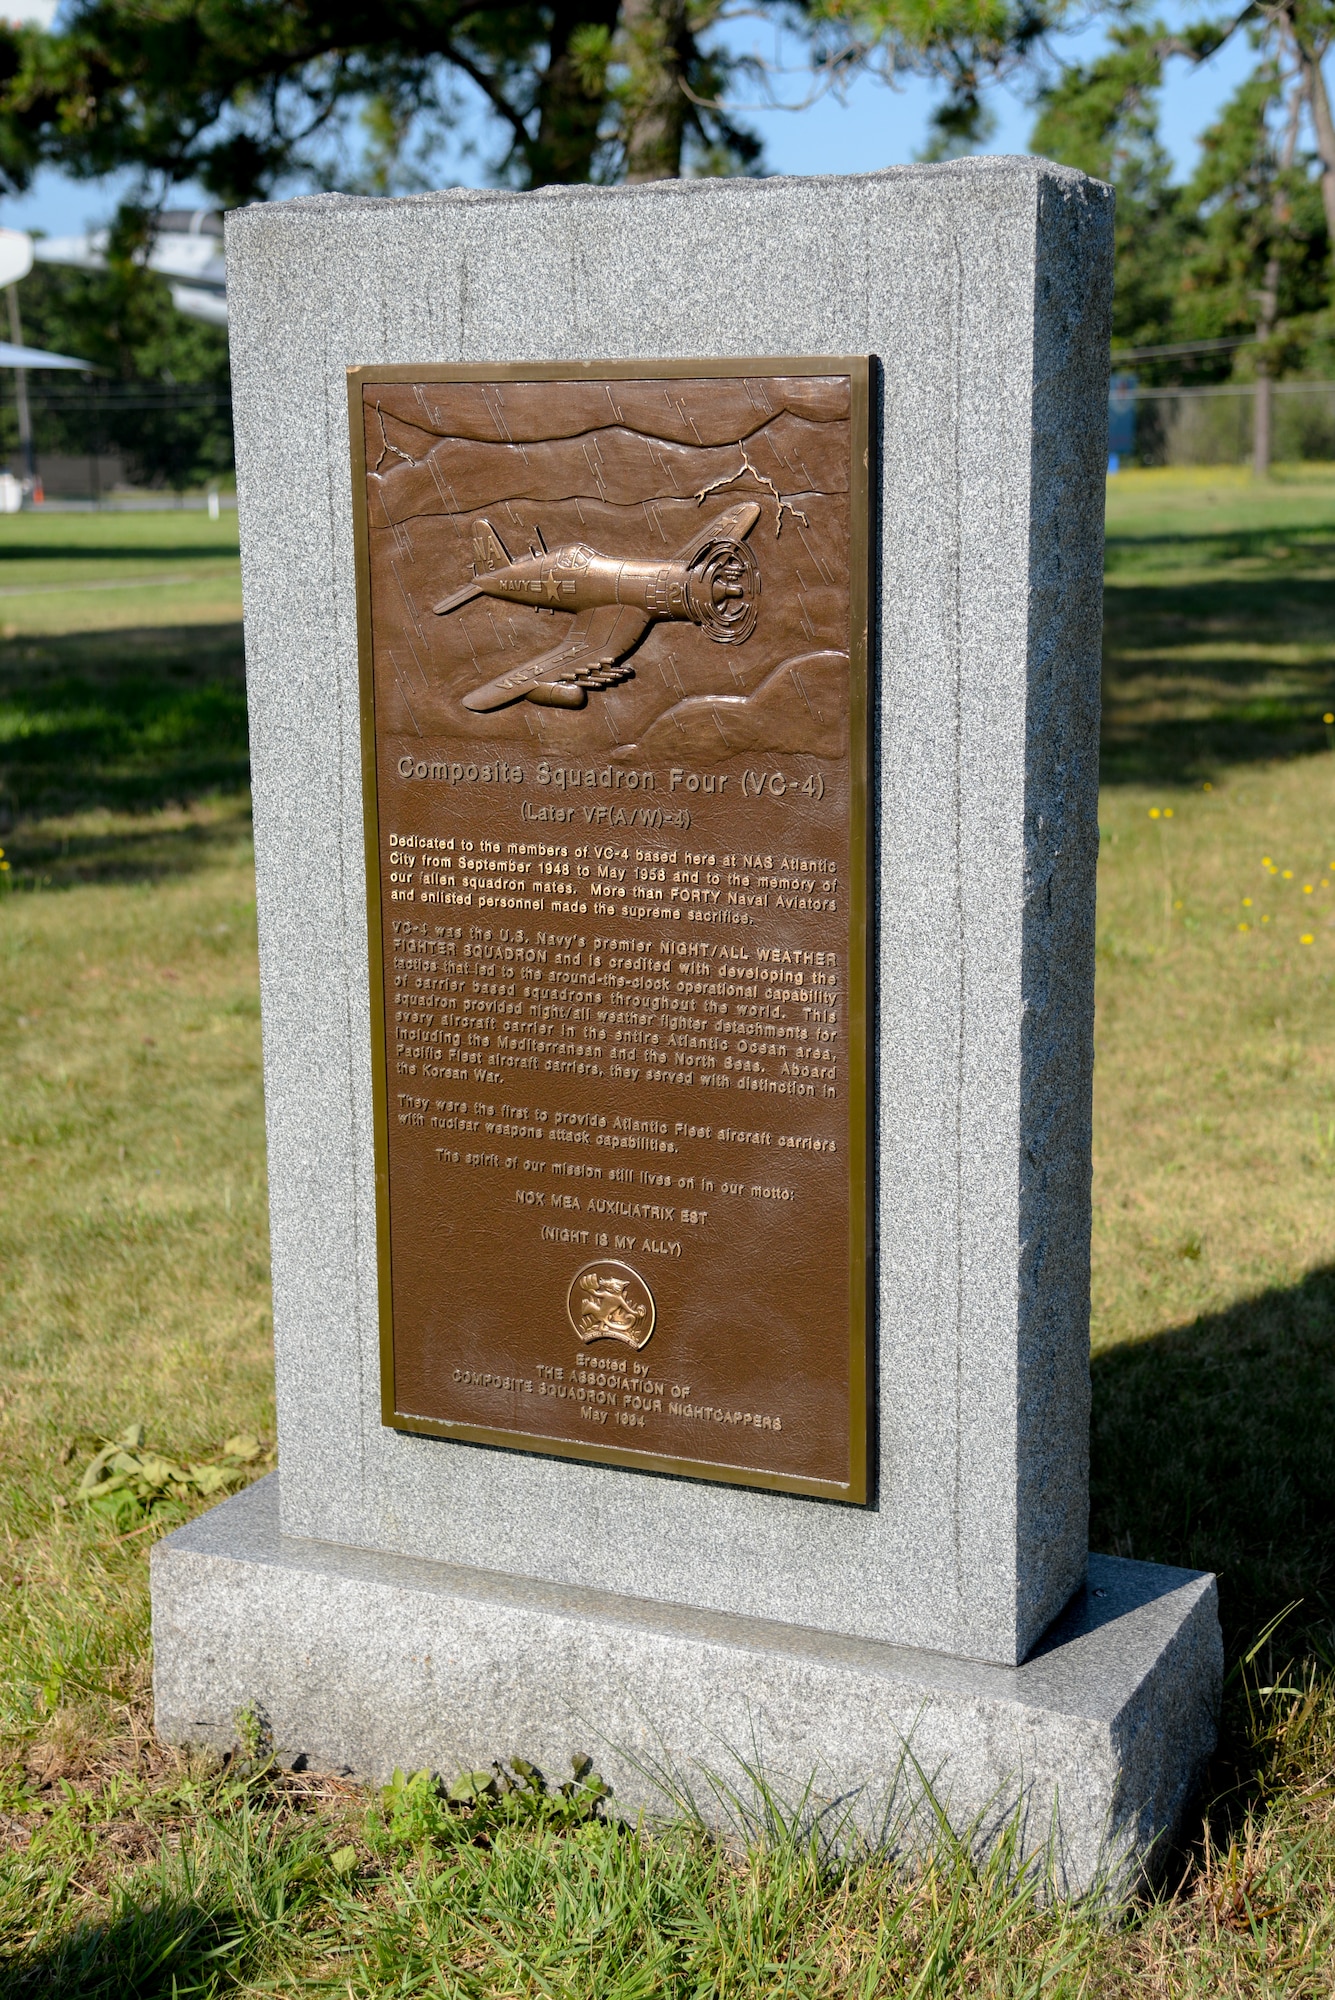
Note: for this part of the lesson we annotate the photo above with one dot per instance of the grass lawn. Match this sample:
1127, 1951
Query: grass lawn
133, 1290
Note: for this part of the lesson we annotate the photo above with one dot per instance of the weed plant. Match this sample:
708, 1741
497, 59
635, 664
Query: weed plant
133, 1292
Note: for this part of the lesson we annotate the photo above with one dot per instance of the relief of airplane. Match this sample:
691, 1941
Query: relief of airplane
712, 582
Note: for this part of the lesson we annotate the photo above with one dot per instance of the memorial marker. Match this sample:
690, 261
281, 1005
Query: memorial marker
614, 766
676, 824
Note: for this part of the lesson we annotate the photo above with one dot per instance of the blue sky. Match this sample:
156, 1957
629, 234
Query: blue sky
874, 127
880, 127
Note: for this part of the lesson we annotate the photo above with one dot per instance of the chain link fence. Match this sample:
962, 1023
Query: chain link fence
1217, 426
90, 437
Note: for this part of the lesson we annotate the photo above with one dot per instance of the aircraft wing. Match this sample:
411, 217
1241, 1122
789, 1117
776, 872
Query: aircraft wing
598, 639
456, 598
733, 525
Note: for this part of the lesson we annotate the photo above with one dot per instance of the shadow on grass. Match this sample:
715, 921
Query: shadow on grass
1213, 1445
1125, 552
1173, 751
1194, 677
157, 1950
128, 551
117, 722
119, 848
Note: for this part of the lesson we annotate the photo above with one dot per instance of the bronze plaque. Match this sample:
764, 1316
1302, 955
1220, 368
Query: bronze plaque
614, 699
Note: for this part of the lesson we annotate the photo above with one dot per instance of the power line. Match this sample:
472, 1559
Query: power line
1184, 347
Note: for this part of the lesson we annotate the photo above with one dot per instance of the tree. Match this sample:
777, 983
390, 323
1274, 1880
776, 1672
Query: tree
246, 99
1230, 274
1103, 117
1237, 249
1309, 26
161, 400
1257, 268
249, 98
1257, 251
666, 93
960, 45
1289, 33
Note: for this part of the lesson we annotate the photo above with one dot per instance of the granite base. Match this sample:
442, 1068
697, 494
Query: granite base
364, 1661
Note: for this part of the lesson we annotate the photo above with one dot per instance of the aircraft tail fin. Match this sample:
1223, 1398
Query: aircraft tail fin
489, 551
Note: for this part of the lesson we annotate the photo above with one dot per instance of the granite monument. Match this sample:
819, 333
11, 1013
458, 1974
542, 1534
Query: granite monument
672, 626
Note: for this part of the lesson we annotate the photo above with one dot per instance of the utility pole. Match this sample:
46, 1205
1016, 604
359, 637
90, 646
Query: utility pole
21, 395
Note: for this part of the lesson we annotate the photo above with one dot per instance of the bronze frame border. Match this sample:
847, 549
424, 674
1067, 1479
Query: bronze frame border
857, 1490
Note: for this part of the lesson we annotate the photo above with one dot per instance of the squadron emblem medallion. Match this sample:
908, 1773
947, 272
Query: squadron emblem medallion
609, 1301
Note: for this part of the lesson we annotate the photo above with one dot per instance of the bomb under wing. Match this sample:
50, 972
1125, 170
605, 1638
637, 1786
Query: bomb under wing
713, 582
